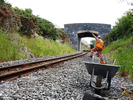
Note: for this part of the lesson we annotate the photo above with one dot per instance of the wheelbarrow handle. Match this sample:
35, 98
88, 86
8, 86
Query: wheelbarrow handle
114, 62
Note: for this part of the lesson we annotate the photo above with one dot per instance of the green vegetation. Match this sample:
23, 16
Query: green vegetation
84, 45
122, 29
24, 35
2, 3
47, 47
119, 43
12, 47
122, 50
31, 23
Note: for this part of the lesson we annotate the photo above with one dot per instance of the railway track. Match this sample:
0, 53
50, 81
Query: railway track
15, 71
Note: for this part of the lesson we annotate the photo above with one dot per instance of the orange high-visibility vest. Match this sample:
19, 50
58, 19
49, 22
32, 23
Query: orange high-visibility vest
100, 44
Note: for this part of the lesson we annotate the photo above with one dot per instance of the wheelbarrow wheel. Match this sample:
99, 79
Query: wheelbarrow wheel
98, 80
98, 83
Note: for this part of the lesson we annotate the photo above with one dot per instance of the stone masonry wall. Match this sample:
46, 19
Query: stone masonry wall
71, 30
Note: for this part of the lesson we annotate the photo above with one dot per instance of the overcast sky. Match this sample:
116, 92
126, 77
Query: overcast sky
62, 12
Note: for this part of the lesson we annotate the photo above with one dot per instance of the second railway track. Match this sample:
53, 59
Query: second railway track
14, 71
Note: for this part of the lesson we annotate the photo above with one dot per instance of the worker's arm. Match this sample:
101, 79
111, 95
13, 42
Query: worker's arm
97, 40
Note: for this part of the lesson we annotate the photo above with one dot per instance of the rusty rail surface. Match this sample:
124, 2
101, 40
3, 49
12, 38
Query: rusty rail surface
12, 72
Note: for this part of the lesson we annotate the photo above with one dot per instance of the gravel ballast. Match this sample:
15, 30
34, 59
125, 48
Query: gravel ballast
64, 81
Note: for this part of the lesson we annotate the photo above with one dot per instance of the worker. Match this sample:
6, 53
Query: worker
98, 48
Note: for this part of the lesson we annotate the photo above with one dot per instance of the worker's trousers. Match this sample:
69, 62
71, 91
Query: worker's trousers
99, 50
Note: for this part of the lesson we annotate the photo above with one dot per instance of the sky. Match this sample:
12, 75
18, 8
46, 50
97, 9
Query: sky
61, 12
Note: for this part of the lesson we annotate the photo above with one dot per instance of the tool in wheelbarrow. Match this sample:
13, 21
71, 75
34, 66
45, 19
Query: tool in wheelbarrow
106, 71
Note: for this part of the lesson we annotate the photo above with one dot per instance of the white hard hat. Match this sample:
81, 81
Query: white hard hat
99, 36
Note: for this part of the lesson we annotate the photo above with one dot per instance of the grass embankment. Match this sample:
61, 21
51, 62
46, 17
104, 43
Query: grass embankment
12, 47
18, 24
47, 47
122, 51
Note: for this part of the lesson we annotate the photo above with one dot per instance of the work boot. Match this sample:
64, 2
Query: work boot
102, 62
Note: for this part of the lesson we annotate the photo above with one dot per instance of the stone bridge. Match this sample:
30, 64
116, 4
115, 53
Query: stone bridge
72, 29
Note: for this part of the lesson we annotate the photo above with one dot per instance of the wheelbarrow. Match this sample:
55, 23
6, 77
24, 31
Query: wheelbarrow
106, 71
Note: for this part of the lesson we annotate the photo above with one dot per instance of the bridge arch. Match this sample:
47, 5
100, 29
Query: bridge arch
72, 29
84, 33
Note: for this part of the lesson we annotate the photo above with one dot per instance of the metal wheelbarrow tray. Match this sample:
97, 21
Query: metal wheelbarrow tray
101, 71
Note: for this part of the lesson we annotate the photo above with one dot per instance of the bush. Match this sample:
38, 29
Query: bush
46, 28
32, 24
62, 35
2, 3
28, 21
122, 29
9, 21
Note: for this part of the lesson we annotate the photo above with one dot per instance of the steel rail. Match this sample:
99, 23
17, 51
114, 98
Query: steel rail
15, 67
35, 62
36, 65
